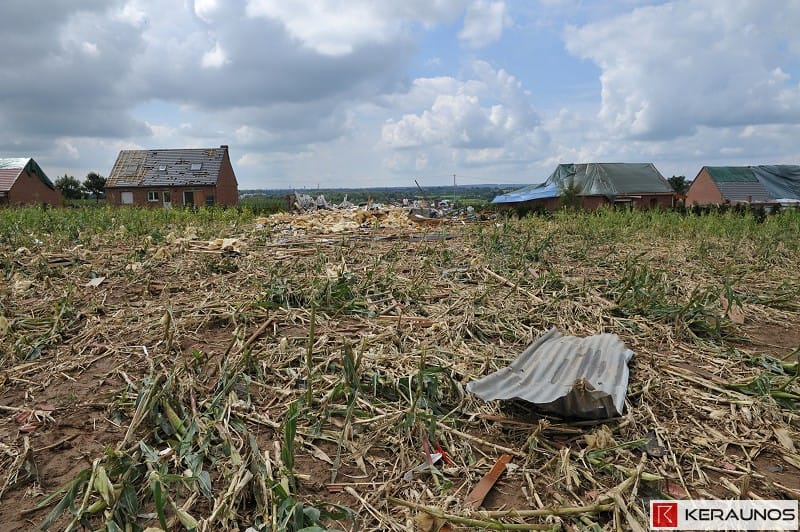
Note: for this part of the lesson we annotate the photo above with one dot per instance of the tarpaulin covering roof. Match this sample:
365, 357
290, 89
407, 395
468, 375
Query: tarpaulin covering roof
757, 183
564, 375
540, 191
12, 167
161, 168
731, 174
595, 179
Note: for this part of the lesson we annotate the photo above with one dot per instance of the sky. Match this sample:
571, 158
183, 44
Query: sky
366, 93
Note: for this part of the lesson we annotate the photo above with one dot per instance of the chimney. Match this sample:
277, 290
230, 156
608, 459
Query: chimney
223, 146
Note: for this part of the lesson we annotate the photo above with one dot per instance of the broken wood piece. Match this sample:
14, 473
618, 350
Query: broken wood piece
479, 492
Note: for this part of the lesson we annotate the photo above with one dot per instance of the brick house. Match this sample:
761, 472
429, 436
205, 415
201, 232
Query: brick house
173, 178
716, 185
22, 181
637, 185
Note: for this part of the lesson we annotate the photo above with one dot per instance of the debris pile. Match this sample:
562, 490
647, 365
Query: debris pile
336, 221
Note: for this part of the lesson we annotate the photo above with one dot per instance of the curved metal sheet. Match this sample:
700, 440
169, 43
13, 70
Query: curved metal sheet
564, 375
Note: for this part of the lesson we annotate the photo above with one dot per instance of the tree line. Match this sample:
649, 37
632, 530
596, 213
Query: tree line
93, 186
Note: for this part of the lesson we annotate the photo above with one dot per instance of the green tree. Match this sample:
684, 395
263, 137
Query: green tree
679, 183
95, 184
571, 196
70, 187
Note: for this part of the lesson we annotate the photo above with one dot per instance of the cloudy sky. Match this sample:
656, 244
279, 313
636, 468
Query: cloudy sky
332, 93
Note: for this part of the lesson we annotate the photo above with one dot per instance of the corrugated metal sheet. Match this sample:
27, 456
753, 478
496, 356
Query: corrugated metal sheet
163, 168
541, 191
567, 376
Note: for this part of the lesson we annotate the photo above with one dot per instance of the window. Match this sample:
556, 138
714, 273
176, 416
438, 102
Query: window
210, 200
196, 166
126, 198
162, 167
188, 197
152, 195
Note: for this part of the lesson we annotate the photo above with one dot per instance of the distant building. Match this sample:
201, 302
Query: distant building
638, 185
772, 184
22, 181
175, 177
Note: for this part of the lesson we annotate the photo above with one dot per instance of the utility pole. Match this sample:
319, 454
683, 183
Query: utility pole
454, 191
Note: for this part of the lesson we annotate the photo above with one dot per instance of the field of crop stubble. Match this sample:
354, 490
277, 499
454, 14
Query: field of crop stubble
293, 378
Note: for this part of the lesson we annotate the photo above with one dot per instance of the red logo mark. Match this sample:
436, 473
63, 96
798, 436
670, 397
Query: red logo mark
664, 514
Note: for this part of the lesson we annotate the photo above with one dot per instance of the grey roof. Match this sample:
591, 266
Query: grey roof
162, 168
779, 182
565, 375
740, 191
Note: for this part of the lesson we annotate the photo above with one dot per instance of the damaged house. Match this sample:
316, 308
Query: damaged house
175, 177
637, 185
22, 181
766, 184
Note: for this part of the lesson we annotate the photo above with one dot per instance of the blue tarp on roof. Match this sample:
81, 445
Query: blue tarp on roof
540, 191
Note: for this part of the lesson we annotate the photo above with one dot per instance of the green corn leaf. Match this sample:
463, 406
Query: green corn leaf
159, 498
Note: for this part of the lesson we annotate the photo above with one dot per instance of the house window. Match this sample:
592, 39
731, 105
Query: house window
210, 200
188, 197
162, 167
126, 198
152, 195
196, 166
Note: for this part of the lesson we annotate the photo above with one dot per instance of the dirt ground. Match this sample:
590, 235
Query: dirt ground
71, 401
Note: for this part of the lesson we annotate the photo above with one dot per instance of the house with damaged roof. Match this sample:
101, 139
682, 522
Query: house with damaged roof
638, 185
22, 181
173, 178
765, 184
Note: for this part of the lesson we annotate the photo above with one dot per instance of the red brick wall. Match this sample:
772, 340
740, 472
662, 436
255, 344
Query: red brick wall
654, 201
30, 189
114, 196
591, 203
227, 186
704, 191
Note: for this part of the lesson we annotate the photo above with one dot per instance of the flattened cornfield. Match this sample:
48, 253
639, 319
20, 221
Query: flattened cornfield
153, 376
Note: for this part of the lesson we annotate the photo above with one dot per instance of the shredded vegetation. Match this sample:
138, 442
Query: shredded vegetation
210, 370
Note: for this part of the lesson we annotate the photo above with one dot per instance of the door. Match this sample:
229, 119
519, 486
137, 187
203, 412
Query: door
166, 197
188, 197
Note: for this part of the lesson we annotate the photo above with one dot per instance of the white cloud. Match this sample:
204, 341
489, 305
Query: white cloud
214, 58
336, 28
204, 9
671, 68
484, 23
473, 122
90, 49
